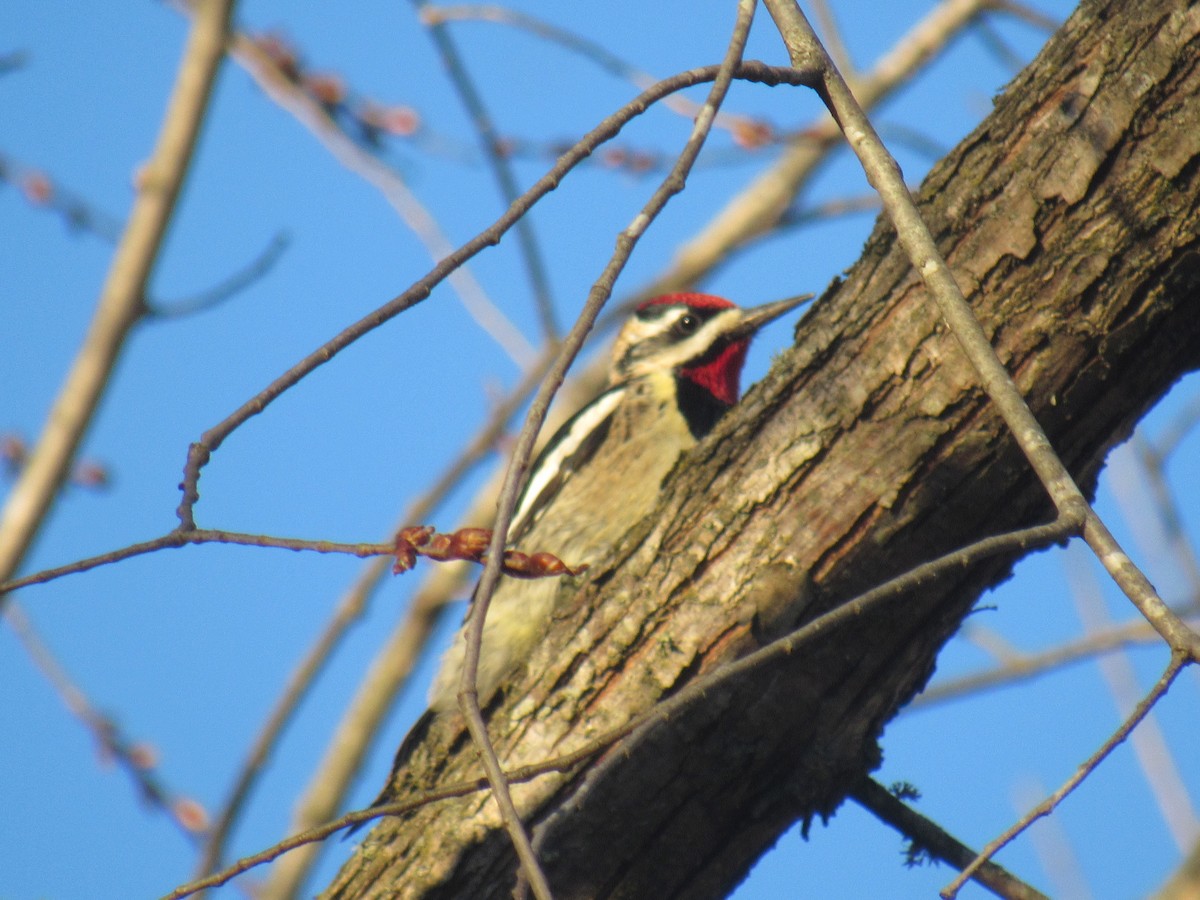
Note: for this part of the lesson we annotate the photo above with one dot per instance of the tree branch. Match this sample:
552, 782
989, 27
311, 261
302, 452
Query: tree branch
121, 299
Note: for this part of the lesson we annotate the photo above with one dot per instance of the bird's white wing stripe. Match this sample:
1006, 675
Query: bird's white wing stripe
562, 446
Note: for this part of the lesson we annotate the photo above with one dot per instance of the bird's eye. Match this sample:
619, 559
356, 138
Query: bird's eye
686, 324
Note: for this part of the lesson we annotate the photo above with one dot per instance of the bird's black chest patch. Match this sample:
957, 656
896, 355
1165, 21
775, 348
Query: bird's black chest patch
699, 408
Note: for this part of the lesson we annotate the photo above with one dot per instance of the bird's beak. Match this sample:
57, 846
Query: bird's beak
758, 316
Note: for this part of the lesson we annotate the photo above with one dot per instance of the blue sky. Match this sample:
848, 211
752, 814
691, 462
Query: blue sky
189, 649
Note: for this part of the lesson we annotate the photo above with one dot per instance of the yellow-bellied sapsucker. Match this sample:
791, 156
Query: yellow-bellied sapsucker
676, 367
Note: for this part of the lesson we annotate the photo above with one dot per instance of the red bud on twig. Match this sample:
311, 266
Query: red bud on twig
471, 544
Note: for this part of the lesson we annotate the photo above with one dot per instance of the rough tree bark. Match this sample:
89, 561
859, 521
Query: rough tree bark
1071, 218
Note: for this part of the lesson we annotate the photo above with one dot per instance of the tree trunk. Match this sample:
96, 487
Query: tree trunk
1070, 217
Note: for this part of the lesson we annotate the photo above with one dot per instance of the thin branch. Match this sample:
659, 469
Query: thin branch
1022, 666
1020, 541
885, 176
928, 836
1137, 587
755, 212
593, 51
1150, 747
499, 164
1025, 13
397, 808
831, 209
177, 538
120, 304
393, 662
1179, 428
1153, 461
43, 192
1028, 665
321, 832
833, 39
347, 612
994, 42
1050, 844
230, 287
1178, 661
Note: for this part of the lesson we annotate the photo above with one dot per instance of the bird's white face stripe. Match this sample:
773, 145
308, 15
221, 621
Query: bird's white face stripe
665, 351
585, 421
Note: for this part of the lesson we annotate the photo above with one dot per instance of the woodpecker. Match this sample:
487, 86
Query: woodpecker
676, 368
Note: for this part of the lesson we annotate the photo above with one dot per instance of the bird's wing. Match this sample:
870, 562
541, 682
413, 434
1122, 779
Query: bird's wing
570, 449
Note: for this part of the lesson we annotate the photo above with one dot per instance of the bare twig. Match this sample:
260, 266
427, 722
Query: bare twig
1150, 747
230, 287
44, 192
188, 534
1028, 665
994, 41
844, 206
827, 22
120, 303
757, 209
1153, 462
1025, 13
499, 164
177, 538
928, 836
1051, 844
321, 832
1179, 428
696, 692
589, 49
1178, 661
